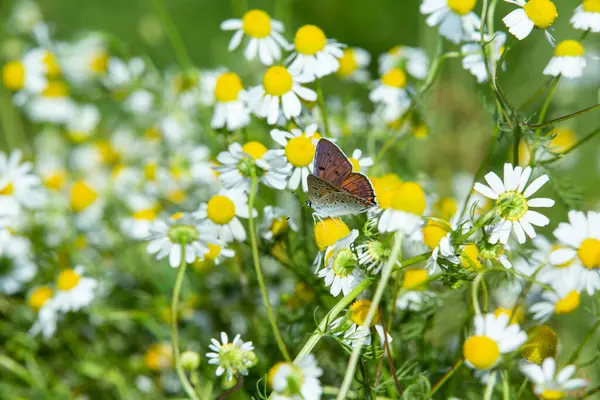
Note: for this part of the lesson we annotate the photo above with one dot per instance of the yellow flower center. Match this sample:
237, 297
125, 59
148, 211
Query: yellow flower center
568, 304
213, 252
384, 188
228, 87
552, 395
329, 231
359, 310
176, 196
7, 190
39, 297
67, 280
569, 48
348, 64
591, 6
55, 89
469, 258
445, 207
55, 181
409, 198
433, 232
518, 317
256, 23
108, 153
541, 12
220, 209
395, 77
279, 226
481, 351
277, 81
13, 75
310, 40
355, 164
52, 67
82, 196
146, 214
589, 253
300, 151
150, 171
99, 63
414, 278
563, 140
462, 7
158, 356
255, 149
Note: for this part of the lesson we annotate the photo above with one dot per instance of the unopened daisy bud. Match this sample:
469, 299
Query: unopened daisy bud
542, 343
190, 360
329, 231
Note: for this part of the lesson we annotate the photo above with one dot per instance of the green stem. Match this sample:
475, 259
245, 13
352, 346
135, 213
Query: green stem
576, 145
489, 389
538, 93
587, 337
564, 117
385, 276
187, 386
447, 376
524, 293
474, 290
546, 105
322, 107
14, 367
173, 34
505, 386
522, 388
259, 274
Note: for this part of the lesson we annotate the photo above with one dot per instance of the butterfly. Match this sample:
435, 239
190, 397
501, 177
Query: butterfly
333, 188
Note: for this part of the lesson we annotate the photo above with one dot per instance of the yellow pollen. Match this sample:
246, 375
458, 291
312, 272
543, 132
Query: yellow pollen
39, 297
82, 196
329, 231
348, 64
277, 81
591, 6
355, 164
13, 75
481, 351
300, 151
220, 209
228, 87
470, 257
462, 7
213, 252
254, 149
414, 279
150, 170
67, 280
256, 23
589, 253
568, 304
359, 310
52, 67
445, 207
7, 190
99, 63
518, 317
409, 198
146, 214
55, 89
433, 232
541, 12
310, 40
563, 140
55, 181
569, 48
552, 395
395, 77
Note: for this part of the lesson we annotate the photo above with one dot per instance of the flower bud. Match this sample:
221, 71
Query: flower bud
190, 360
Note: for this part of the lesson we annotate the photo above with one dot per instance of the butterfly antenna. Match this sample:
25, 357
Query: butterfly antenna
299, 208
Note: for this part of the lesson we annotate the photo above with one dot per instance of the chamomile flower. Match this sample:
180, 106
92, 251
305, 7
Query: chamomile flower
413, 59
28, 73
74, 291
563, 299
493, 337
314, 55
264, 34
580, 244
587, 16
568, 60
405, 210
40, 300
233, 357
297, 380
353, 328
82, 123
360, 163
390, 94
144, 212
231, 110
86, 202
275, 222
513, 203
437, 236
236, 166
299, 150
550, 384
222, 212
217, 253
52, 105
341, 270
18, 185
533, 13
473, 60
167, 238
85, 59
16, 263
372, 255
122, 75
413, 292
354, 65
455, 18
280, 94
327, 232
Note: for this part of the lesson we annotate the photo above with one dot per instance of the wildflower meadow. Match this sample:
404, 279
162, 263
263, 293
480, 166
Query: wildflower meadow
300, 199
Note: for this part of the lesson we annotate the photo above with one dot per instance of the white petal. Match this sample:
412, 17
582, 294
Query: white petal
536, 185
495, 183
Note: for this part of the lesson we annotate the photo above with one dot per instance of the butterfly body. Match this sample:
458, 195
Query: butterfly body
333, 188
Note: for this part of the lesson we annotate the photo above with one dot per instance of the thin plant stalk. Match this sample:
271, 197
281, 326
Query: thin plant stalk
322, 106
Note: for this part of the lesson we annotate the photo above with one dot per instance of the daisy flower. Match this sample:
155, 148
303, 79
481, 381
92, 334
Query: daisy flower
587, 16
86, 201
222, 212
73, 290
280, 94
18, 185
533, 13
233, 357
144, 212
563, 299
352, 329
16, 263
167, 237
473, 60
437, 236
236, 163
548, 383
405, 210
413, 292
230, 108
512, 203
580, 244
391, 94
297, 380
82, 123
412, 59
216, 254
264, 34
372, 255
85, 59
299, 150
540, 256
28, 73
275, 222
315, 56
455, 18
326, 233
40, 300
568, 60
354, 65
360, 163
493, 338
341, 270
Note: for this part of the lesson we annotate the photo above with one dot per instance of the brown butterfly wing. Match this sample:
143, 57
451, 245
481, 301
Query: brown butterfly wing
359, 185
331, 164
